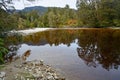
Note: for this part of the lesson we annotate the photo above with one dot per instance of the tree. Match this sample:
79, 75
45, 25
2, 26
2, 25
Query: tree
7, 5
86, 13
98, 13
7, 21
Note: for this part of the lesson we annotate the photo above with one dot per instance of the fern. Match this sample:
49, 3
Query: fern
3, 51
1, 42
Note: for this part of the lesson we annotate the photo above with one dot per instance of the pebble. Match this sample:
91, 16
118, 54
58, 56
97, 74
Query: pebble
2, 75
35, 70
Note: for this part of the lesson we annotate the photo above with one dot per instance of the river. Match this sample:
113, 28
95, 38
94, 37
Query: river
80, 54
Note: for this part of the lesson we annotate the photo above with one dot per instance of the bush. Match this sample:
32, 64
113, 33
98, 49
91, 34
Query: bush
3, 51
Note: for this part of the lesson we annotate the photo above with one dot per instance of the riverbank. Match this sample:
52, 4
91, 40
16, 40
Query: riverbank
34, 30
29, 31
29, 70
69, 61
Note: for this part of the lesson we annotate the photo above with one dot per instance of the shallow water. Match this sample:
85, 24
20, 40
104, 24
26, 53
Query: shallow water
81, 54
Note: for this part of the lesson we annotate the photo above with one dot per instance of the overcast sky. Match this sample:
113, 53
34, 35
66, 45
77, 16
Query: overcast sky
20, 4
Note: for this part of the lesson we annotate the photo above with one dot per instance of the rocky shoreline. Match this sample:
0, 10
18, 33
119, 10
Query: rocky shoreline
29, 70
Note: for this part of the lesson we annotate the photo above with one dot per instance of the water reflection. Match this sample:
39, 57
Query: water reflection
52, 37
88, 54
100, 47
96, 46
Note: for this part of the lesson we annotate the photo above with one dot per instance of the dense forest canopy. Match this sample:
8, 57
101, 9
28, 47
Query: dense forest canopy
98, 13
89, 13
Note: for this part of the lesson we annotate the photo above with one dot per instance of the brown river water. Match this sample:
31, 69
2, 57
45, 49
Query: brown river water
80, 54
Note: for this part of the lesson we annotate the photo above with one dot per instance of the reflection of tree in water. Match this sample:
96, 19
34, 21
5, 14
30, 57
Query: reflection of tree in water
88, 54
100, 47
97, 46
51, 37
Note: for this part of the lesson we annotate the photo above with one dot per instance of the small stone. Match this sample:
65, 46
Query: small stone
36, 75
41, 62
34, 70
22, 78
24, 62
50, 77
20, 66
2, 74
16, 76
29, 78
25, 68
55, 76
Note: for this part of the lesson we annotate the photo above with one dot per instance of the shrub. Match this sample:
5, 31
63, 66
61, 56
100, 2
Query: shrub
3, 51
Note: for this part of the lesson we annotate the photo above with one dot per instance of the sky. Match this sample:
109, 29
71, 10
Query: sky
20, 4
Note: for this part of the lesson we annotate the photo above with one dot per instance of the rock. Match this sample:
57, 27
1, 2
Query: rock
33, 70
24, 62
41, 62
16, 76
18, 66
55, 76
2, 74
50, 77
36, 75
61, 79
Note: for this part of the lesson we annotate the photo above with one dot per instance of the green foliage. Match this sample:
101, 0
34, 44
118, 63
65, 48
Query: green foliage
53, 17
1, 67
116, 22
98, 13
3, 51
7, 21
90, 13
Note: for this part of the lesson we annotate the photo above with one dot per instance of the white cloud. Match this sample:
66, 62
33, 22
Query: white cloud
20, 4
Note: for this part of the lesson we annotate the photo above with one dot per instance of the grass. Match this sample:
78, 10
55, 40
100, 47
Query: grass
1, 67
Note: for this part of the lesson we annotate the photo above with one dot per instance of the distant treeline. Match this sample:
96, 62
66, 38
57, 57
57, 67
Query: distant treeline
98, 13
53, 17
89, 13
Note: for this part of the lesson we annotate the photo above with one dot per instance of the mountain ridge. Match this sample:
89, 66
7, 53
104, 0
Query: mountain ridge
40, 9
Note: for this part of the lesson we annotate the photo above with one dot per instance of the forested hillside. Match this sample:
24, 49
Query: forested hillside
50, 17
89, 13
40, 9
